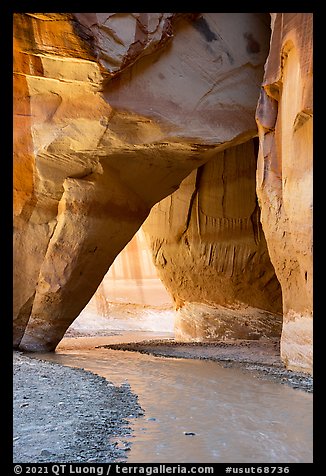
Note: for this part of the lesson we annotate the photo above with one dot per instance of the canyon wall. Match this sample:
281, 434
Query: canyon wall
132, 281
111, 113
285, 177
210, 250
131, 296
114, 112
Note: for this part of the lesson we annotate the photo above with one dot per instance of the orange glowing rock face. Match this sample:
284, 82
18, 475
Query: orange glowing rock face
112, 112
284, 177
211, 253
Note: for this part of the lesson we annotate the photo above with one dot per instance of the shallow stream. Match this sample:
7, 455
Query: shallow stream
233, 415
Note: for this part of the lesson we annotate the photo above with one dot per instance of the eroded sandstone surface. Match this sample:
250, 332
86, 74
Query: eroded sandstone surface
107, 123
211, 253
284, 177
112, 112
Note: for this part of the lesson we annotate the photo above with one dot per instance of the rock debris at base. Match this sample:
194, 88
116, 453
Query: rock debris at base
69, 415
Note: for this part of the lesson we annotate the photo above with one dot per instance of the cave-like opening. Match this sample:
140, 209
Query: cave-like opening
131, 296
199, 266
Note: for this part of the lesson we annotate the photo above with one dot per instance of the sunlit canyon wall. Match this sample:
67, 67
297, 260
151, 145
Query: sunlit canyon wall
285, 177
211, 253
130, 291
111, 113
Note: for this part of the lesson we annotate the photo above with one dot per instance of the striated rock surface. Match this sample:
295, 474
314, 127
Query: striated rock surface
211, 253
111, 113
284, 177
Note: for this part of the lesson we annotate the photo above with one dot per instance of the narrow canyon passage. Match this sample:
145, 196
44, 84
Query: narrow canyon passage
235, 416
192, 132
109, 136
113, 113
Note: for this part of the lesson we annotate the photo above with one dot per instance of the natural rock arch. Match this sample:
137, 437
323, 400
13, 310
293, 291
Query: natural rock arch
112, 112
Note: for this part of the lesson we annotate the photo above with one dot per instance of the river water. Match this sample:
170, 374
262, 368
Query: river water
235, 416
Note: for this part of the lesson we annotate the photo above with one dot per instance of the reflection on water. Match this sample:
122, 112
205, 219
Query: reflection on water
235, 417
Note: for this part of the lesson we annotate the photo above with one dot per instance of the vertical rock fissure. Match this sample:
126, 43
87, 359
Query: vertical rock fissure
224, 187
194, 195
255, 222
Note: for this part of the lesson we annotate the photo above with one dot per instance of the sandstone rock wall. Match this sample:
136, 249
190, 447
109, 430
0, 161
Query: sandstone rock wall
211, 253
111, 113
284, 177
132, 280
